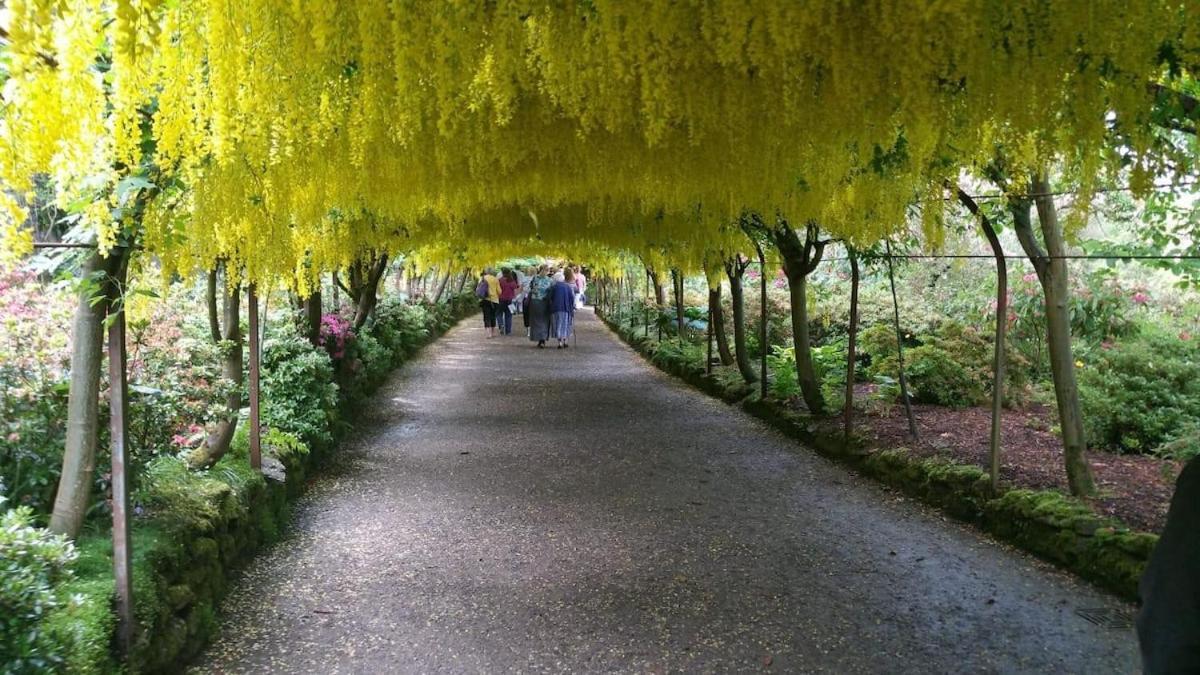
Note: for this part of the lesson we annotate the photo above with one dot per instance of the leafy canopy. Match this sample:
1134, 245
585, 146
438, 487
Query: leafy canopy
298, 133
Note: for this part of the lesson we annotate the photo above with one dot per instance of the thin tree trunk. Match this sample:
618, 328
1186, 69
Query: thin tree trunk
677, 286
908, 412
735, 270
462, 282
660, 293
718, 323
214, 324
1001, 327
1051, 269
83, 399
851, 342
441, 288
219, 437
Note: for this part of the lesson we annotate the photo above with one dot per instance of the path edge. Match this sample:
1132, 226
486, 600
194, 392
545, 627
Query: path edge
1048, 524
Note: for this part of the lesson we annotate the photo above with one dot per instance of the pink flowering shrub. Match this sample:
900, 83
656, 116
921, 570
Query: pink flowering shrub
337, 334
35, 327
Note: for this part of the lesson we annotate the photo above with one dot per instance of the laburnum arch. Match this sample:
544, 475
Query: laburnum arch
284, 136
281, 140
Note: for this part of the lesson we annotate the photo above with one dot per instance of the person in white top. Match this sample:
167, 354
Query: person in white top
580, 286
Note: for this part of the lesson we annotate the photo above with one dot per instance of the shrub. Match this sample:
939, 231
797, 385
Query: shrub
32, 562
34, 361
785, 383
937, 377
829, 365
952, 365
298, 393
1142, 394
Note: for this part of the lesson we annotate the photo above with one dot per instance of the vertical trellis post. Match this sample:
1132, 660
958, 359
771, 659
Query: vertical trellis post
708, 363
255, 352
119, 438
912, 421
646, 308
762, 277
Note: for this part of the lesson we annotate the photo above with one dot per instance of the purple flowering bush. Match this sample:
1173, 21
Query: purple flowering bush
337, 334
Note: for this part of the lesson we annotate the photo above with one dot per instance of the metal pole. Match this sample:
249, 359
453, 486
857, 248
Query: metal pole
762, 263
255, 420
118, 429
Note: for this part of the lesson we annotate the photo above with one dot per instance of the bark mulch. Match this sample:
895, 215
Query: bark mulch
1133, 488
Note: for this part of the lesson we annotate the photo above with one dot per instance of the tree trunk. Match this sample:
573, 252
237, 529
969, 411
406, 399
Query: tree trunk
660, 293
799, 260
83, 399
441, 288
735, 270
462, 282
1051, 269
677, 286
312, 318
219, 437
718, 323
908, 411
1001, 327
851, 343
214, 325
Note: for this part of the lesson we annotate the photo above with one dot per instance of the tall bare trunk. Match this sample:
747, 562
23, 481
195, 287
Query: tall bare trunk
1001, 327
800, 258
718, 322
214, 325
908, 411
735, 269
219, 437
83, 398
677, 286
441, 287
1051, 269
660, 293
851, 343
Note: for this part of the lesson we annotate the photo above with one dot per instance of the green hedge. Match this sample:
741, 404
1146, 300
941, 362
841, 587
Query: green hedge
1051, 525
201, 526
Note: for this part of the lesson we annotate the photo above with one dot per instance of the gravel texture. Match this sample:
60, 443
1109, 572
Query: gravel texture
504, 508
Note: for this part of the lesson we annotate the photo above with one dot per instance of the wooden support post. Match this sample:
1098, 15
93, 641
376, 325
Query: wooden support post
255, 354
763, 344
118, 446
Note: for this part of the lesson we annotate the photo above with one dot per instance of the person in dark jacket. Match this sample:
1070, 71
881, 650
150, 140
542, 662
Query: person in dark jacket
562, 309
1168, 624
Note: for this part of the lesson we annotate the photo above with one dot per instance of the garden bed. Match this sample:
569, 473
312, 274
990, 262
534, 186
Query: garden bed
204, 525
1136, 489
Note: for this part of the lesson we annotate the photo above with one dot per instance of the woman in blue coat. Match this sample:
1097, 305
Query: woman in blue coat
562, 309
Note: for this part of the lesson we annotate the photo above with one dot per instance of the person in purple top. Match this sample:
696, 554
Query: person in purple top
562, 309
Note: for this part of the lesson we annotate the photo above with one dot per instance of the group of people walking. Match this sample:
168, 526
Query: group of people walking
545, 297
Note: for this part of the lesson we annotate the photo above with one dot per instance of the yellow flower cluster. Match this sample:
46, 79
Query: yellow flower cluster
303, 132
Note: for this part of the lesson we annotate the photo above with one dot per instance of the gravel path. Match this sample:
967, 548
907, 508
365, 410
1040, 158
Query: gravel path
504, 508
